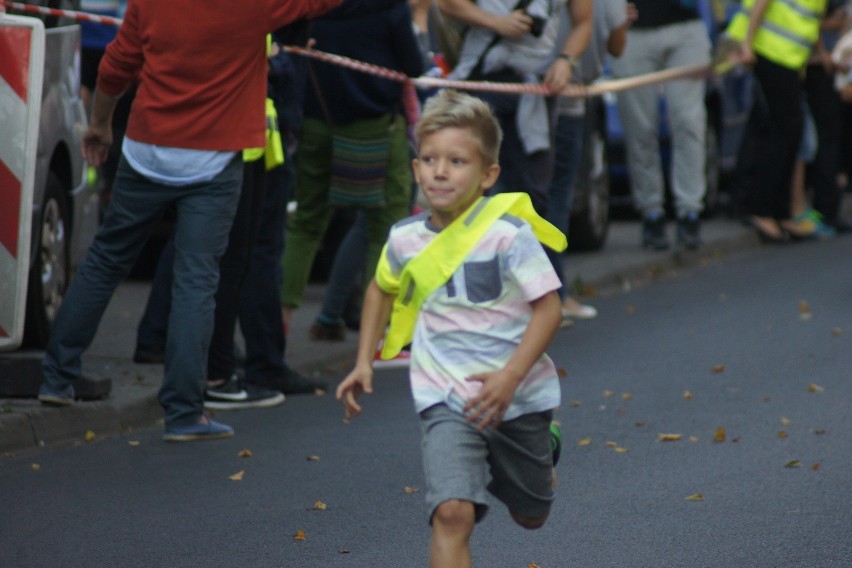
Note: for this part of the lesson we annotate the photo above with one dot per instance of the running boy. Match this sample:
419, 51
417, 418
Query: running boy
471, 284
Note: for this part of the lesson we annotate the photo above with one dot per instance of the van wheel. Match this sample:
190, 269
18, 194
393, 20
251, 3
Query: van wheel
50, 272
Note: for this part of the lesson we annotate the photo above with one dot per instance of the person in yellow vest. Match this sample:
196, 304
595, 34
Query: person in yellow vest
776, 37
472, 289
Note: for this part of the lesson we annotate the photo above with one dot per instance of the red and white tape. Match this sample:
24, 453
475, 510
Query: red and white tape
599, 88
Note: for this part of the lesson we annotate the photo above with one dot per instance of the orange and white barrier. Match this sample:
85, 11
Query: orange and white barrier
21, 73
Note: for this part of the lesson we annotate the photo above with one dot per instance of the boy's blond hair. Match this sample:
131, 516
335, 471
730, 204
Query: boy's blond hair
454, 109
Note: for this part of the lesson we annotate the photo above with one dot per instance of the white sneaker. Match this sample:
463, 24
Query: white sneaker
402, 359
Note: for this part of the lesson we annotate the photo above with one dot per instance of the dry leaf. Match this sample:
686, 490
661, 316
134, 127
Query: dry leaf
313, 458
343, 551
620, 450
533, 565
36, 467
246, 453
804, 310
627, 396
300, 535
411, 490
90, 436
695, 497
688, 395
611, 444
320, 506
786, 421
640, 424
133, 443
693, 439
575, 403
820, 431
782, 434
608, 394
669, 437
238, 476
584, 442
837, 331
719, 436
793, 463
815, 388
720, 368
815, 466
631, 309
562, 373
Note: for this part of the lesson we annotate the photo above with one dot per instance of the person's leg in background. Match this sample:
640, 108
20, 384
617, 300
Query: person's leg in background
153, 326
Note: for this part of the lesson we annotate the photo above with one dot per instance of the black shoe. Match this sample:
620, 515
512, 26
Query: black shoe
235, 395
145, 356
654, 233
688, 231
292, 382
320, 331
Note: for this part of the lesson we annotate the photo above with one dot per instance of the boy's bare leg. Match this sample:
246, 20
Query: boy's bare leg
452, 525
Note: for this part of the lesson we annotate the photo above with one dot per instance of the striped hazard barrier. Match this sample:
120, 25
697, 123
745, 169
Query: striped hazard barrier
22, 42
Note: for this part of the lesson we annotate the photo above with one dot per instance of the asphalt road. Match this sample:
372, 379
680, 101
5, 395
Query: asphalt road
761, 340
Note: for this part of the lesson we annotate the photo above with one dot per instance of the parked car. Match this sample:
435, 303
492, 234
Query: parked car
603, 184
66, 207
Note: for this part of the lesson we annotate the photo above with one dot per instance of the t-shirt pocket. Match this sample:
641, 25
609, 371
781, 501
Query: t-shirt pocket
482, 280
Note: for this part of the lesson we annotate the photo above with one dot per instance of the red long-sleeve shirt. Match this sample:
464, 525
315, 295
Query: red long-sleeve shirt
201, 68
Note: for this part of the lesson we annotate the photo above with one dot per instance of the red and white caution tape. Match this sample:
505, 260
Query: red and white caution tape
81, 16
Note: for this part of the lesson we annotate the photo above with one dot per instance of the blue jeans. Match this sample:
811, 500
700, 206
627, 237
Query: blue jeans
349, 263
205, 213
569, 148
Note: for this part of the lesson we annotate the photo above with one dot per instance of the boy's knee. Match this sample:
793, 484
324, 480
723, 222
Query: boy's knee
531, 523
454, 514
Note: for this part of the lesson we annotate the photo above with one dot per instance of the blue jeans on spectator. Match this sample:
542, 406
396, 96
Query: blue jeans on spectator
569, 148
205, 213
349, 264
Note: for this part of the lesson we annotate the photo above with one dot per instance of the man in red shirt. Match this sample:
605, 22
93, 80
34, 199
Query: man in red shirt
202, 84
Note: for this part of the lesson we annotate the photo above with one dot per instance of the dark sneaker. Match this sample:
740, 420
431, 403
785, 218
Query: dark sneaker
56, 397
654, 233
292, 382
555, 442
689, 231
204, 429
234, 394
145, 356
327, 332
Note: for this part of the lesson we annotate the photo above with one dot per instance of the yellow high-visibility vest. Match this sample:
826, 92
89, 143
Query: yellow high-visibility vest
438, 261
274, 150
789, 30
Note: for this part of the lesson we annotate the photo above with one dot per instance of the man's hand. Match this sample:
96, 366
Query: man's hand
487, 408
95, 145
360, 380
558, 76
513, 25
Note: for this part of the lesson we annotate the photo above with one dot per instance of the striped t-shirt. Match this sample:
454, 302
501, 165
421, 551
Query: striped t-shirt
474, 323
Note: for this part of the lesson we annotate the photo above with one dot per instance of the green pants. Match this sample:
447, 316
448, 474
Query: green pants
310, 221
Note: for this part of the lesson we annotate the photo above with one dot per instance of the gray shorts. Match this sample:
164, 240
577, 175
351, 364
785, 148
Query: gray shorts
514, 463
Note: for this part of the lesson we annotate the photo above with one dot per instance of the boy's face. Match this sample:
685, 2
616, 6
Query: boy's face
451, 173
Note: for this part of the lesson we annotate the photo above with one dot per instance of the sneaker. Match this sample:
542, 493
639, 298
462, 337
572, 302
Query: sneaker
815, 220
327, 332
291, 382
204, 429
401, 360
235, 395
571, 308
654, 233
145, 356
56, 397
688, 231
555, 442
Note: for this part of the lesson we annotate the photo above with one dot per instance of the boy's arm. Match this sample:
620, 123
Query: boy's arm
498, 387
374, 320
512, 25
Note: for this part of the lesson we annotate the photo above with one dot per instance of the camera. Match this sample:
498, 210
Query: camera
537, 22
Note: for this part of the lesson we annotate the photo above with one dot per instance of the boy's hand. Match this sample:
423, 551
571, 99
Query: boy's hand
487, 408
360, 380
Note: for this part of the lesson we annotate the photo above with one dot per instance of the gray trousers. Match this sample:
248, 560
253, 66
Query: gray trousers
650, 50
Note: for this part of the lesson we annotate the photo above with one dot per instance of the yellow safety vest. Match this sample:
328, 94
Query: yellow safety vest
789, 30
274, 150
438, 261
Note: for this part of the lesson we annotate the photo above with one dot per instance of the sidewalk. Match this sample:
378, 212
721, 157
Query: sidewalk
26, 423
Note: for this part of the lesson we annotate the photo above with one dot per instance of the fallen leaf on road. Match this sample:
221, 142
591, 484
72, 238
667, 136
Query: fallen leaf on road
782, 434
133, 443
786, 421
562, 373
815, 388
620, 450
238, 476
300, 535
344, 551
36, 467
695, 497
533, 565
720, 368
611, 444
820, 431
89, 436
688, 395
584, 442
815, 466
630, 309
575, 403
320, 506
246, 453
640, 424
837, 332
627, 396
793, 463
669, 437
313, 458
693, 439
804, 310
411, 490
608, 394
719, 436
